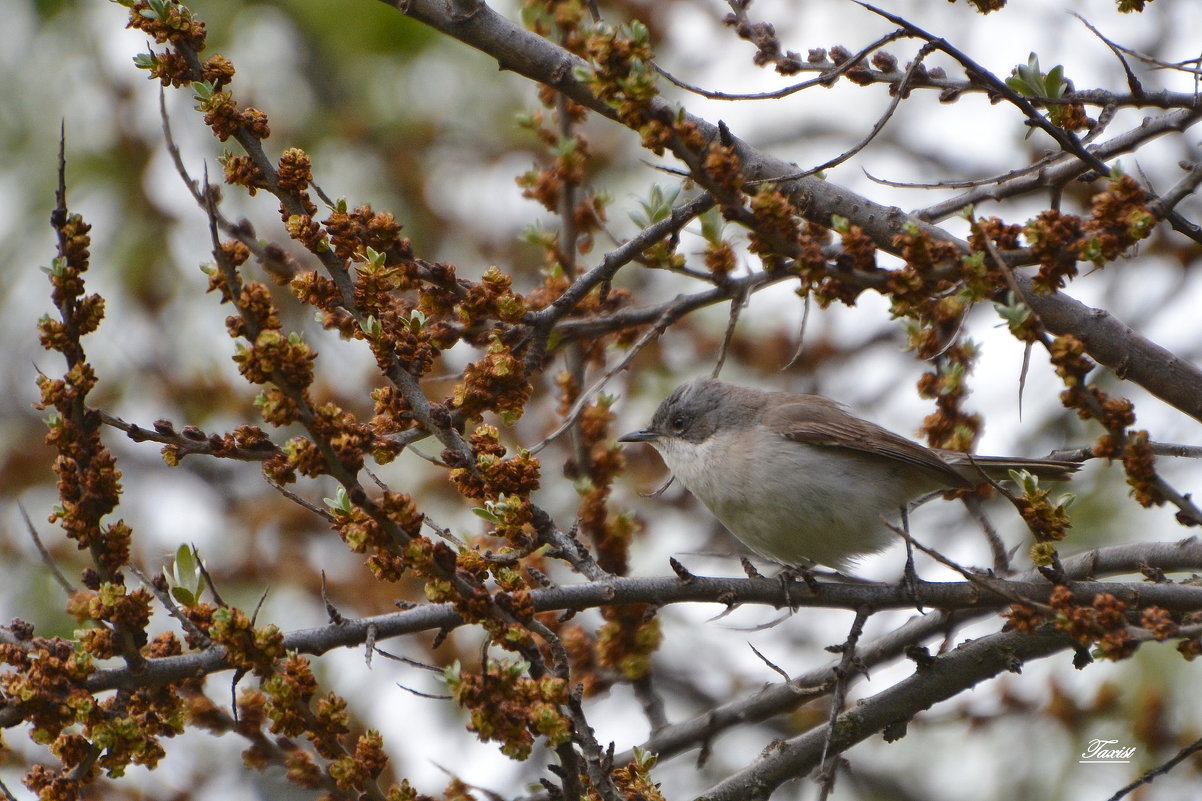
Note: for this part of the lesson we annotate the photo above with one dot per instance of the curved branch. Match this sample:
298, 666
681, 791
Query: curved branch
777, 699
1110, 342
1166, 556
1064, 167
943, 677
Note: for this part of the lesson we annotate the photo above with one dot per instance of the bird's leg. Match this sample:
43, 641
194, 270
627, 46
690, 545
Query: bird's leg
789, 574
910, 576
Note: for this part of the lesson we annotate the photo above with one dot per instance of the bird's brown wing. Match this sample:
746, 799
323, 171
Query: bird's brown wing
816, 420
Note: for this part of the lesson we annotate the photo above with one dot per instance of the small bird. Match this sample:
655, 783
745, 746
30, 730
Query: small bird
800, 480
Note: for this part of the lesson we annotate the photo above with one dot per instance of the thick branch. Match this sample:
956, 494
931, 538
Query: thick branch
943, 677
1110, 342
1173, 380
1184, 555
777, 699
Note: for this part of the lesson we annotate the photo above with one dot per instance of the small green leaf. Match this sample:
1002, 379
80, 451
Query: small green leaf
202, 90
657, 206
712, 225
566, 146
185, 560
644, 759
486, 514
1093, 252
186, 575
1018, 85
1054, 84
375, 259
1014, 312
340, 503
1042, 553
535, 234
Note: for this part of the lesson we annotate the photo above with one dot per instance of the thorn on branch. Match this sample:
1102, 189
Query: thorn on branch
680, 570
332, 612
724, 136
920, 656
895, 731
1155, 575
772, 665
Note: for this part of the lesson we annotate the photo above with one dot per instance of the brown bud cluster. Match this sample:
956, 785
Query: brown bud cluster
221, 113
353, 232
179, 27
277, 358
170, 68
496, 476
1118, 219
950, 426
495, 383
1102, 624
512, 709
1051, 236
248, 648
1048, 522
776, 227
1068, 357
295, 171
89, 483
242, 171
611, 534
630, 635
491, 298
1140, 464
913, 288
724, 168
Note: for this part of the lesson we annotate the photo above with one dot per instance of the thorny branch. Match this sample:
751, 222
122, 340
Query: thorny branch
975, 599
1170, 378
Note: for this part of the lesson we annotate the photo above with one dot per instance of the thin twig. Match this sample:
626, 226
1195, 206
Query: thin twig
1159, 770
898, 96
569, 420
198, 637
829, 73
46, 557
843, 672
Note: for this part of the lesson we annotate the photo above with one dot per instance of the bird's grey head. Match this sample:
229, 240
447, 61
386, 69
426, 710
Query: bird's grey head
694, 411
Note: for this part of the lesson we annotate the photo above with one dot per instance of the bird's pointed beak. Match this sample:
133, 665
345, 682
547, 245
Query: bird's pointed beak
642, 435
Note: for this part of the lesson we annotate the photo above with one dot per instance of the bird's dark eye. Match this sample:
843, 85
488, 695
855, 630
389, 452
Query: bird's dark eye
678, 423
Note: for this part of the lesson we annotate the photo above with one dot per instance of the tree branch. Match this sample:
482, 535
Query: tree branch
941, 678
1165, 556
515, 48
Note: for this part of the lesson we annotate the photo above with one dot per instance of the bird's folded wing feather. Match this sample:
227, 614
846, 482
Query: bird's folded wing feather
821, 421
